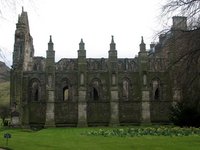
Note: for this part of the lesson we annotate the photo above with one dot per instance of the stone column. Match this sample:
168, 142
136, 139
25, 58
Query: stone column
50, 102
113, 78
114, 108
82, 108
82, 76
143, 72
50, 120
145, 107
50, 85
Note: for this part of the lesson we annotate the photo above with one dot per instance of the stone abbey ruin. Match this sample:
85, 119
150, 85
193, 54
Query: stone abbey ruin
91, 91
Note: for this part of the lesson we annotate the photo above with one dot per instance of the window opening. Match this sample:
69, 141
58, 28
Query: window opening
65, 93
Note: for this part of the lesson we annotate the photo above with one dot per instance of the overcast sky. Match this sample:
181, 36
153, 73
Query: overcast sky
93, 20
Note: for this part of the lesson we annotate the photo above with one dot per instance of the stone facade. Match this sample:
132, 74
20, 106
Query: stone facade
88, 91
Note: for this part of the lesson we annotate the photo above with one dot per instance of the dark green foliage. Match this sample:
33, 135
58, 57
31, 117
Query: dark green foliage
4, 113
184, 114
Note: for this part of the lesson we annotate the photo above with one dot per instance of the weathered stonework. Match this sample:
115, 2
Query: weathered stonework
82, 109
89, 91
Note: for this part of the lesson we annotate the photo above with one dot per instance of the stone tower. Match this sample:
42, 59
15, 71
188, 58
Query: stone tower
22, 58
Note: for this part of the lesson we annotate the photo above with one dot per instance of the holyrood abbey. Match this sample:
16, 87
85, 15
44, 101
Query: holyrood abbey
92, 91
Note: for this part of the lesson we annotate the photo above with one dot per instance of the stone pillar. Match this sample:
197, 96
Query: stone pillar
145, 108
143, 72
113, 78
114, 108
50, 120
50, 86
82, 74
82, 108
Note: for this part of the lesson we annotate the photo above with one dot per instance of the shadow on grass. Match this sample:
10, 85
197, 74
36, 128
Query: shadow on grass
5, 148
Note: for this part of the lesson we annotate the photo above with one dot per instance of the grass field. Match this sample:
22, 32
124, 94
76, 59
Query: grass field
75, 139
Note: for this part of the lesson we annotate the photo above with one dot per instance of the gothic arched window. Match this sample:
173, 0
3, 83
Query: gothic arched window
65, 93
36, 95
35, 91
156, 90
95, 92
66, 89
125, 88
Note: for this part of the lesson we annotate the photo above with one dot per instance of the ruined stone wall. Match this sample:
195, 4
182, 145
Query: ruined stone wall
129, 105
98, 108
89, 91
160, 108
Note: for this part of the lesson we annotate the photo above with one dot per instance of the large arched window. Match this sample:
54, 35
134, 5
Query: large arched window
36, 95
156, 89
66, 89
35, 90
95, 92
125, 91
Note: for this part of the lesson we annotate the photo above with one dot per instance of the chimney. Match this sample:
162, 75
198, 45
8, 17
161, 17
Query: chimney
152, 45
162, 37
179, 23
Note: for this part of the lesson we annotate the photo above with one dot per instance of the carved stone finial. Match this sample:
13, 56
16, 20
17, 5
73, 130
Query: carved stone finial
112, 44
142, 45
50, 41
112, 41
81, 45
142, 41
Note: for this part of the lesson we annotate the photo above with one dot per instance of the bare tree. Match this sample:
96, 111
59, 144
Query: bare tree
12, 5
185, 56
188, 8
185, 42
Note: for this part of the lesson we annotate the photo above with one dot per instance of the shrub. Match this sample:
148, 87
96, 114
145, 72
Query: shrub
184, 114
142, 131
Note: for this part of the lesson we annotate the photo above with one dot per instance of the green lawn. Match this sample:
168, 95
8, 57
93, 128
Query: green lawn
74, 139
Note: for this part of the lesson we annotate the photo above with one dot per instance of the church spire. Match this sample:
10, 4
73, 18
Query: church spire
142, 45
112, 44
